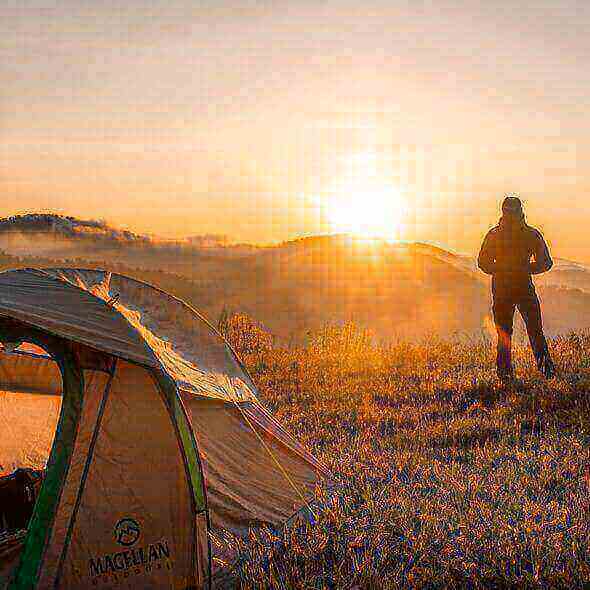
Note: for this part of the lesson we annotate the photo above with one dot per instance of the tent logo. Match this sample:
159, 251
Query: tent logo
127, 532
113, 568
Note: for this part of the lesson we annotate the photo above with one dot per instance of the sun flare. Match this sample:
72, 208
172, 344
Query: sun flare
369, 213
362, 203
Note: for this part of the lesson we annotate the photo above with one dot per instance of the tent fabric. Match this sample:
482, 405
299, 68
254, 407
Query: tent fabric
37, 298
189, 349
60, 457
157, 498
146, 363
245, 485
103, 482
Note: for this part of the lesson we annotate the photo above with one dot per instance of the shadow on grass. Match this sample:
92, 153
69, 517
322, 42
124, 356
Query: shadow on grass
485, 394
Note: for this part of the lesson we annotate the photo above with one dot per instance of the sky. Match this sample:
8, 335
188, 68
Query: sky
266, 121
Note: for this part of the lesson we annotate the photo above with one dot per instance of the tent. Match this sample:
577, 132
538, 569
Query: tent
146, 427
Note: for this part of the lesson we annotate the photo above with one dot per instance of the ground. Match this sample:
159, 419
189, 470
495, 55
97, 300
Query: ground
443, 478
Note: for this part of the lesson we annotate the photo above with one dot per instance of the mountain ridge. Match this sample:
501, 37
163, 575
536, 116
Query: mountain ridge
398, 290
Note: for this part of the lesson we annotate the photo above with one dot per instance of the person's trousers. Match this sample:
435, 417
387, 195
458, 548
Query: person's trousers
529, 308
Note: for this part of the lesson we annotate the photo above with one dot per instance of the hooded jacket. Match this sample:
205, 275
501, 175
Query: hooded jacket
513, 251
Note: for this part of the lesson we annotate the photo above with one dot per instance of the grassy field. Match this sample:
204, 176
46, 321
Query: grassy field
444, 479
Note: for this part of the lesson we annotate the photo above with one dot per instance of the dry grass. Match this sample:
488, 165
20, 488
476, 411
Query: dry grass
444, 480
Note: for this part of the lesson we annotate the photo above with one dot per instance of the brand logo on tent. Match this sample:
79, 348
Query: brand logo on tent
127, 532
130, 561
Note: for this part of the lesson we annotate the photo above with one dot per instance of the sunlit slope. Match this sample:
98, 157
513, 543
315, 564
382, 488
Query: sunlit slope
394, 289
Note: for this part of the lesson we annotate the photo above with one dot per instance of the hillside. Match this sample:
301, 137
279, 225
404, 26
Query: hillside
444, 480
402, 291
58, 227
396, 290
66, 237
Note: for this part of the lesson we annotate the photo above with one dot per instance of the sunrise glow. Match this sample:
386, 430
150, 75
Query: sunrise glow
368, 214
363, 203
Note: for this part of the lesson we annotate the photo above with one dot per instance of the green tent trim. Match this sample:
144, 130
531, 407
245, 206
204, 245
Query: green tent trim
40, 528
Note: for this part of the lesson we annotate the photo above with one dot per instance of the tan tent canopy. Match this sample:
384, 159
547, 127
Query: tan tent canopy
149, 428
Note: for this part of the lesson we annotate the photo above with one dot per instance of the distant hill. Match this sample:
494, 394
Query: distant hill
66, 237
66, 227
397, 290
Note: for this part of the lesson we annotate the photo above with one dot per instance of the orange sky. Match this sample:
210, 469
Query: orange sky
240, 118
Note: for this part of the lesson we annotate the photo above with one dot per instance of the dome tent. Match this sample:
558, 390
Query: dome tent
160, 437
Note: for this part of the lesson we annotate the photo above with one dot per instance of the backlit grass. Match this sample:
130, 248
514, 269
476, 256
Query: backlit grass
443, 479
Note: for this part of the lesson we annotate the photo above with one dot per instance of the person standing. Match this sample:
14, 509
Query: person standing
512, 252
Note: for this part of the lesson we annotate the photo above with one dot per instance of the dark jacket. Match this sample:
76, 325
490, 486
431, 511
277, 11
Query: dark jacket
511, 252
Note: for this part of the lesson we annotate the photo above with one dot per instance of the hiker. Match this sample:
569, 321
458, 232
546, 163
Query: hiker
511, 252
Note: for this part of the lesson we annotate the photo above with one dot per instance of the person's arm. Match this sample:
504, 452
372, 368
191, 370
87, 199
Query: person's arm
542, 259
487, 257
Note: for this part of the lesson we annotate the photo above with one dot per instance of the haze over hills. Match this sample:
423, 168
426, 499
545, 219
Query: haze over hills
396, 290
61, 237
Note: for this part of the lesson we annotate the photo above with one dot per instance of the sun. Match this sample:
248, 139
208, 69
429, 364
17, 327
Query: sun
367, 213
363, 204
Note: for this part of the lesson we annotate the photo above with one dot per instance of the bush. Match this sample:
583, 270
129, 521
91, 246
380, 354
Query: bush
245, 336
